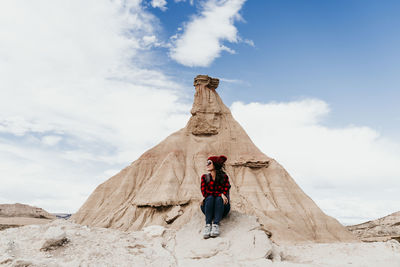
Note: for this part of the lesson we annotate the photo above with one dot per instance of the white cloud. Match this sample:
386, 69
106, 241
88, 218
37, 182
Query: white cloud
190, 1
227, 49
235, 81
249, 42
230, 80
149, 40
75, 100
161, 4
201, 41
51, 140
351, 172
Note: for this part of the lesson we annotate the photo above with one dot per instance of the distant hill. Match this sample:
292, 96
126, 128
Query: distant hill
23, 210
15, 215
65, 216
381, 229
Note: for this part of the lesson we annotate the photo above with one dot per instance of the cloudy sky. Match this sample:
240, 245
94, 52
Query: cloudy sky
87, 86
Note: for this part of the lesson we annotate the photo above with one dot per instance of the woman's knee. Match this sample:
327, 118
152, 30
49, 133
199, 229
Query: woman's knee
227, 208
210, 197
219, 198
202, 209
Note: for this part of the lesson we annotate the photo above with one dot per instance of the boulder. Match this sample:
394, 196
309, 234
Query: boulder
173, 214
54, 238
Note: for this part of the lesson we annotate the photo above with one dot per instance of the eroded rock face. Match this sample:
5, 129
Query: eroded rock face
168, 175
252, 164
207, 107
383, 229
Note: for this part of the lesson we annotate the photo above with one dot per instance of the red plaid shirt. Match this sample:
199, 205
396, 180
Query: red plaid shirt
214, 189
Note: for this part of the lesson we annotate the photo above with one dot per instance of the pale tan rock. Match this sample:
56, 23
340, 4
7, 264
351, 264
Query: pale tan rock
175, 212
241, 242
374, 254
382, 229
169, 174
20, 221
54, 237
22, 210
93, 246
154, 230
276, 253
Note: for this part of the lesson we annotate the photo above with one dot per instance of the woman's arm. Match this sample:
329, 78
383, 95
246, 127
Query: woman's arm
203, 186
225, 186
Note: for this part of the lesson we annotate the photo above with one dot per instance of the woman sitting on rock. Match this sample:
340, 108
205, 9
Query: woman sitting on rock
215, 189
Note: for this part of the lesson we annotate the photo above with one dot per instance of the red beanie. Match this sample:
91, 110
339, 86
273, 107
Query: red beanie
218, 161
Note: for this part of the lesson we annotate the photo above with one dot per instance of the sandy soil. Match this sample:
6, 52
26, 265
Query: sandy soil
23, 221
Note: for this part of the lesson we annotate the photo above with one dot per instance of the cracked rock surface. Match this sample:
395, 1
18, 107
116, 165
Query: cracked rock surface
242, 242
63, 243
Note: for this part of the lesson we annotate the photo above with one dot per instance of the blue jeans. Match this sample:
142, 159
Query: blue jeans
214, 208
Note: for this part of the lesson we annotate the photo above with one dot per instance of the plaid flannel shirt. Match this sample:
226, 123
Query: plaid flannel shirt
212, 188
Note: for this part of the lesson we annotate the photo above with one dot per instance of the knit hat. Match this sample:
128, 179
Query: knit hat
218, 161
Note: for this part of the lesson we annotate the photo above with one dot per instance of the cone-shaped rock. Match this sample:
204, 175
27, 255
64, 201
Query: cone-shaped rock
163, 185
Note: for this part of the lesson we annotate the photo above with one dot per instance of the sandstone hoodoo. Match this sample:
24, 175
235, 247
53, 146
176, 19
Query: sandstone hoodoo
163, 185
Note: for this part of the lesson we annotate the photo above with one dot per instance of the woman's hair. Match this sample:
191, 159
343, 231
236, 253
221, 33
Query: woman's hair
219, 166
220, 174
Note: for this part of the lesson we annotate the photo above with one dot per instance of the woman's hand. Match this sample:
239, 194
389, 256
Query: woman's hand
225, 199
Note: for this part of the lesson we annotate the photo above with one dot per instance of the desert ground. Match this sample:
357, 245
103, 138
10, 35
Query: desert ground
242, 243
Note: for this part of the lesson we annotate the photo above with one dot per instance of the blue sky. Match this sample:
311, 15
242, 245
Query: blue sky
315, 84
344, 52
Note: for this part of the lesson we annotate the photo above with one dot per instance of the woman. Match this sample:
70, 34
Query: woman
215, 189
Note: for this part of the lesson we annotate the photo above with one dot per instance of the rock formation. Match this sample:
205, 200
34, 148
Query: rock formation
15, 215
381, 229
163, 186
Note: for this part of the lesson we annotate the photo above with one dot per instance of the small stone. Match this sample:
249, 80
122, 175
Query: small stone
275, 253
174, 213
22, 263
5, 259
154, 230
54, 238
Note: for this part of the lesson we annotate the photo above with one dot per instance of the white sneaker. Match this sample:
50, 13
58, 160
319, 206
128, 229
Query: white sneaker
214, 230
206, 231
